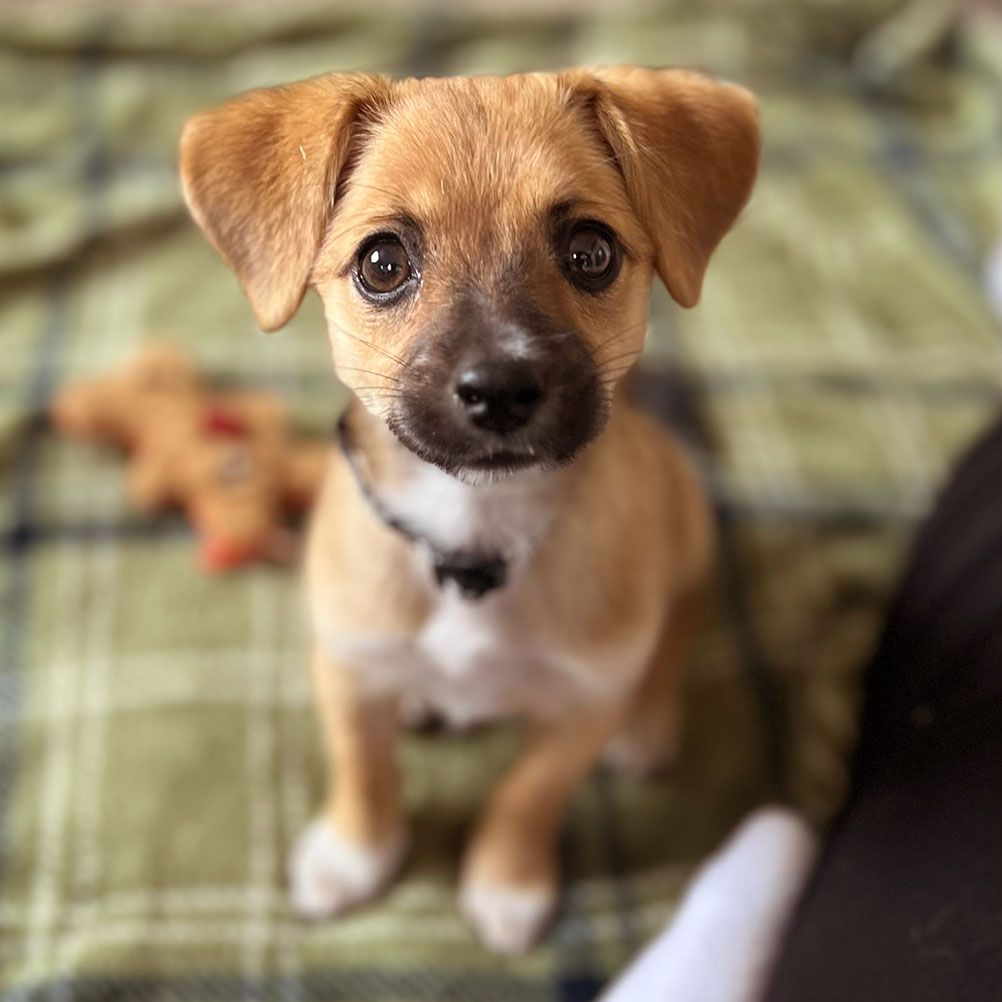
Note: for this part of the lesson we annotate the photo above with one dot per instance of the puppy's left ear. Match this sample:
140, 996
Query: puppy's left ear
688, 149
259, 176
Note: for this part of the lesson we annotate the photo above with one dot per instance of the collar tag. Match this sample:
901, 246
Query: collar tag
474, 576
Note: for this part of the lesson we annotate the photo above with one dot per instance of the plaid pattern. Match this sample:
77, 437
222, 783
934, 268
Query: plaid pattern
157, 750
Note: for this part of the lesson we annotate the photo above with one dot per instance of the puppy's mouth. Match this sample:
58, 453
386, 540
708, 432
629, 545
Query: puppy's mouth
466, 462
504, 460
494, 466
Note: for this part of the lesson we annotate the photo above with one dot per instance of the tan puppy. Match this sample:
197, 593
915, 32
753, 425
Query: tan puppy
501, 532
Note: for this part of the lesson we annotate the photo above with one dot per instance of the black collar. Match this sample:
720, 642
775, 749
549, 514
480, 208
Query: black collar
474, 574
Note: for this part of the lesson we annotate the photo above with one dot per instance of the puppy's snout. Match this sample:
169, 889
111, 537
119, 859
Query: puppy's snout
499, 395
482, 394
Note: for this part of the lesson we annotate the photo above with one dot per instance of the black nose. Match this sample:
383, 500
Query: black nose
497, 395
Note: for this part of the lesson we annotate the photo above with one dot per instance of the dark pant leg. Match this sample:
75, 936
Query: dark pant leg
905, 904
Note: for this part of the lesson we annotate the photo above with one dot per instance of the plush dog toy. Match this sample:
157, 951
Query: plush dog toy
228, 458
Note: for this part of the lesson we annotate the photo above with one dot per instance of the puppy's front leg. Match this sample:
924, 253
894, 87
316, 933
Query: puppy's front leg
353, 849
509, 882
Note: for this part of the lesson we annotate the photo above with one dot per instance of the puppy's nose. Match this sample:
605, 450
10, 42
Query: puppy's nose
499, 396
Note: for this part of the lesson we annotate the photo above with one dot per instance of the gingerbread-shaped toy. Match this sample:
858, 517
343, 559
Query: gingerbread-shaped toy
229, 459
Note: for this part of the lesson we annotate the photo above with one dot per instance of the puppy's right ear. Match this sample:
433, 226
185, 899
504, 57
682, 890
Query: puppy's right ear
259, 175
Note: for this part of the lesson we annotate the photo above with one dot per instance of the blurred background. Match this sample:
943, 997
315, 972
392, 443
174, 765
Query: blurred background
157, 751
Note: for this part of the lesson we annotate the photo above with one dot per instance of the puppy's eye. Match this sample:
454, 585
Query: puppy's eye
383, 267
591, 260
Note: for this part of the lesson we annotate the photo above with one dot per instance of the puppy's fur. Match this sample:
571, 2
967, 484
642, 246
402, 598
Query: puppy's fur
603, 528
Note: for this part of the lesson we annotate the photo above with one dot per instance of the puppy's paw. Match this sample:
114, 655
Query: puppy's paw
507, 920
329, 875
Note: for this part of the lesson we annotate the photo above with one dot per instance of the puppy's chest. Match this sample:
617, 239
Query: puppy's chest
473, 659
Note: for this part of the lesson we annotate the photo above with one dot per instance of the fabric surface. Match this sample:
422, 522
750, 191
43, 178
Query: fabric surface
157, 750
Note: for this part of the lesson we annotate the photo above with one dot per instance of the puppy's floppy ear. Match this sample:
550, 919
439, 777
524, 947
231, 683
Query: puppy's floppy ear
688, 148
259, 175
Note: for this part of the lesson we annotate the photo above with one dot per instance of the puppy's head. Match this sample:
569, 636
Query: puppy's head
483, 247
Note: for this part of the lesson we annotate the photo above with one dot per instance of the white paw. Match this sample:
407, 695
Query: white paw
328, 874
507, 920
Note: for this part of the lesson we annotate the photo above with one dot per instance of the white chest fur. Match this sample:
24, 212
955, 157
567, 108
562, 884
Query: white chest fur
471, 660
508, 517
475, 663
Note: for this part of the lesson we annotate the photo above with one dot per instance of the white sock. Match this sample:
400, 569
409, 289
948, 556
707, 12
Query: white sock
721, 945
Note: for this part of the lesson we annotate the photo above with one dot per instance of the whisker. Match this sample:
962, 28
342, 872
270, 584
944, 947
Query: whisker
370, 372
615, 371
617, 335
617, 358
604, 363
371, 344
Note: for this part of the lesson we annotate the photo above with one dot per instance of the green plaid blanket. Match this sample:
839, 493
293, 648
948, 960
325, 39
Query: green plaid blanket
157, 751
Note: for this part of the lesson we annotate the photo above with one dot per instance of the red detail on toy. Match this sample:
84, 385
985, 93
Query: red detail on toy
218, 555
221, 422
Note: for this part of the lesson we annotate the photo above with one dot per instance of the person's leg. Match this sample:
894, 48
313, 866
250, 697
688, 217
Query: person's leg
905, 903
906, 900
721, 942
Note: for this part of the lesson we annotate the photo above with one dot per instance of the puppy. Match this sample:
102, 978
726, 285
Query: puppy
501, 532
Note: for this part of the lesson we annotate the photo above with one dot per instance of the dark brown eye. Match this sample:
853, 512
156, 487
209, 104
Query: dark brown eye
590, 257
383, 267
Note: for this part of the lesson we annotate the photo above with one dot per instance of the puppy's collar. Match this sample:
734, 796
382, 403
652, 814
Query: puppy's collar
474, 574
